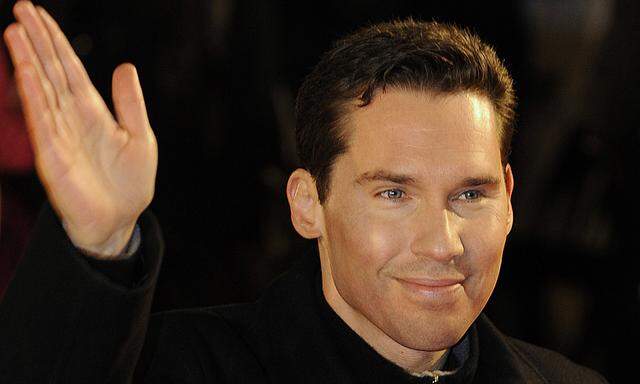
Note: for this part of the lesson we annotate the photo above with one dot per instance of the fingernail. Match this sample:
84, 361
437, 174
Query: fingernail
11, 30
22, 6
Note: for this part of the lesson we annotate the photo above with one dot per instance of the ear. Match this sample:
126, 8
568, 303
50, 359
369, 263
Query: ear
509, 183
306, 212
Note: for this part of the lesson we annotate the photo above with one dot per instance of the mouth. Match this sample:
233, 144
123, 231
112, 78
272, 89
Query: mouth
432, 283
433, 292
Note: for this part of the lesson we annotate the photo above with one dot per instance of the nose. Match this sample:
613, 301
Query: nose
437, 236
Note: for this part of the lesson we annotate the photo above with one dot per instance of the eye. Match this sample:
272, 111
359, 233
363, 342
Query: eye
470, 195
392, 194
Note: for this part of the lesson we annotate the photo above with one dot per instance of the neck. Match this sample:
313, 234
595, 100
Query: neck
413, 361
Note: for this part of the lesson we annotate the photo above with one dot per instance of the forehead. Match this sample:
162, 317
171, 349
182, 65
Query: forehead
418, 132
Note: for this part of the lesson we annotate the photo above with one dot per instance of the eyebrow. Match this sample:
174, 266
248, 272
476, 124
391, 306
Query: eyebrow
399, 178
382, 175
477, 181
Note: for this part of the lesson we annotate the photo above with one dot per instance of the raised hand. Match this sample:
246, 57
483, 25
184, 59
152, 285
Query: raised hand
98, 172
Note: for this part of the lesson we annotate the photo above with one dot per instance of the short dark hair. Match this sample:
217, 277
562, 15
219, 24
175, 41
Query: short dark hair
410, 54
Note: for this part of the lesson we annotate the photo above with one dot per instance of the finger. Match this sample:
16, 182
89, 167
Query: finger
38, 116
27, 15
128, 100
22, 52
79, 81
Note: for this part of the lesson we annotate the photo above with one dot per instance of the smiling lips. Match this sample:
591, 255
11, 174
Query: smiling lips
434, 291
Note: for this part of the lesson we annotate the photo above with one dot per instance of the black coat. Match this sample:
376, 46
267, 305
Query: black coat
64, 320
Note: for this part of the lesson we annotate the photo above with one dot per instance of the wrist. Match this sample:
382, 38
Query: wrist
113, 248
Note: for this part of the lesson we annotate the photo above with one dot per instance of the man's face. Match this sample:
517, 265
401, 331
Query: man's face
416, 217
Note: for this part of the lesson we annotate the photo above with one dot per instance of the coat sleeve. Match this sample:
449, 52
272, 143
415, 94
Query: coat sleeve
63, 321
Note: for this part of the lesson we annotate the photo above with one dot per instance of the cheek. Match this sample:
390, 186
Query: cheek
484, 243
362, 244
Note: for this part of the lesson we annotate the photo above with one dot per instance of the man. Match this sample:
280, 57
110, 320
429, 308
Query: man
403, 130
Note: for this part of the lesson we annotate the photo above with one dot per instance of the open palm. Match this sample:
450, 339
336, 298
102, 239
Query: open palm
99, 172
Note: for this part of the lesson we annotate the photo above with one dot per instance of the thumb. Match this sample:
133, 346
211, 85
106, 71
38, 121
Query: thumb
128, 101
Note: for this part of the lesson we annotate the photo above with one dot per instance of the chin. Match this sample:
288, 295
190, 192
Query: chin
431, 332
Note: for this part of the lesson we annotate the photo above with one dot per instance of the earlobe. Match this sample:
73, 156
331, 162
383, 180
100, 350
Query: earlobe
303, 204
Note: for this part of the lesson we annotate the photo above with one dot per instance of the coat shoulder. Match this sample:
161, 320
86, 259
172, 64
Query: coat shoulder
199, 345
553, 366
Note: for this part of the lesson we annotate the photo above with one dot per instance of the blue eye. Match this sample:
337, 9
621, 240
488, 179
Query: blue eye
393, 194
470, 195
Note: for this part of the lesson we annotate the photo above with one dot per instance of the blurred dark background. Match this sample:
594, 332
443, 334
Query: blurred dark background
220, 78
